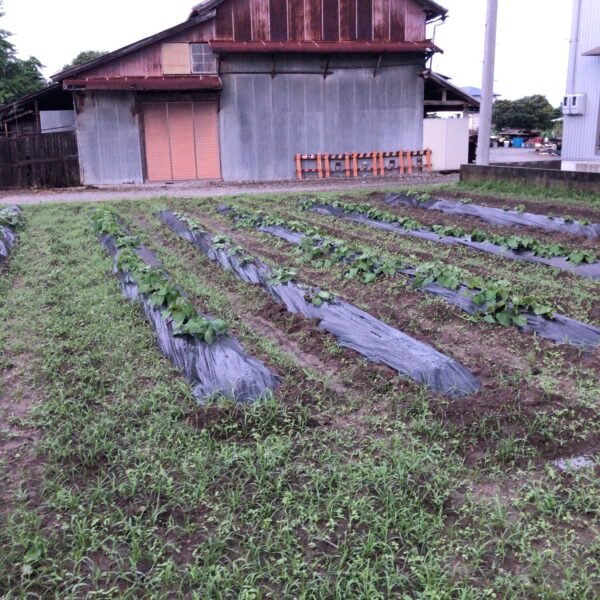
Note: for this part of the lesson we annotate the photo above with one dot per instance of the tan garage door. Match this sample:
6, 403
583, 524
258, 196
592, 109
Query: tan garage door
182, 141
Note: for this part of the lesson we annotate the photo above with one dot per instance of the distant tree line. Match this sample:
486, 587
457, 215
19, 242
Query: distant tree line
532, 113
84, 57
18, 77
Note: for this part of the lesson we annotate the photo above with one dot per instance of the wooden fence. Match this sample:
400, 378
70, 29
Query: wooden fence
39, 160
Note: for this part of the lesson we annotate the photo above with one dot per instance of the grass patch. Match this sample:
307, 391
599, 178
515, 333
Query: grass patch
516, 190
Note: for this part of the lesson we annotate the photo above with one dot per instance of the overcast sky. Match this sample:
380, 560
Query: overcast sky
533, 36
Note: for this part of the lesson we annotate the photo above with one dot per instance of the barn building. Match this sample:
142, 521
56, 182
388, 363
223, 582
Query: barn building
243, 85
236, 92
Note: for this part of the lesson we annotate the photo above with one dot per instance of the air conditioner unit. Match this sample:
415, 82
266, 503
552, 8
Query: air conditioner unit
574, 105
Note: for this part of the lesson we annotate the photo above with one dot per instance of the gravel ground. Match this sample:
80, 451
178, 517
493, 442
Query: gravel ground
204, 189
508, 155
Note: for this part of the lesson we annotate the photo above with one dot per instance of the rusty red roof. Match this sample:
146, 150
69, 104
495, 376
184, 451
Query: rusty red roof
175, 82
323, 47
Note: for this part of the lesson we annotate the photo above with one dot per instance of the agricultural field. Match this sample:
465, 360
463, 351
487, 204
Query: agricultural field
410, 418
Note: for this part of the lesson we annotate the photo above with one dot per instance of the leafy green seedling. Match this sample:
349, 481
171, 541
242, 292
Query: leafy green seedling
578, 257
282, 275
191, 224
322, 297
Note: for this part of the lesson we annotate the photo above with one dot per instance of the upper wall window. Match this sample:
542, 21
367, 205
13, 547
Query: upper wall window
184, 59
203, 59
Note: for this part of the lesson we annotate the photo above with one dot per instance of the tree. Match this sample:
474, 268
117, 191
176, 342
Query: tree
84, 57
532, 113
18, 77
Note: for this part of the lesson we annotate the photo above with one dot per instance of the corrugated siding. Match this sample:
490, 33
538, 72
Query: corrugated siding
581, 133
108, 138
265, 121
55, 121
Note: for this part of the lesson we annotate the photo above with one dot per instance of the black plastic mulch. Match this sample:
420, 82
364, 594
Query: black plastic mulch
219, 369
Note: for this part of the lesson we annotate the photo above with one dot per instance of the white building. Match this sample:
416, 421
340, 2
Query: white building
581, 104
474, 116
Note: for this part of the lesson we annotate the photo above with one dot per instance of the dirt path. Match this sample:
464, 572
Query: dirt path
207, 189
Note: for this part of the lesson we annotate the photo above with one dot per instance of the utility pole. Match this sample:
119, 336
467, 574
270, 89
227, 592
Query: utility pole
487, 91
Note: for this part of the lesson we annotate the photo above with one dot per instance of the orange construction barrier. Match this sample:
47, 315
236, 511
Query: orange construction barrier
361, 164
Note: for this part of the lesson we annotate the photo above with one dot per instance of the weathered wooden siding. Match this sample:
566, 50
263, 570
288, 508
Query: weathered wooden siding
148, 61
285, 20
330, 20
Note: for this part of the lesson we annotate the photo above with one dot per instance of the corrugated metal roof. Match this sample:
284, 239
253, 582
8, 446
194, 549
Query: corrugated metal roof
16, 104
323, 47
475, 92
594, 52
442, 83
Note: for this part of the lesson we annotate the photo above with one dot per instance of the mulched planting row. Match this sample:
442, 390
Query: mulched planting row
558, 328
591, 271
430, 218
216, 368
284, 497
498, 216
588, 208
353, 328
527, 279
507, 363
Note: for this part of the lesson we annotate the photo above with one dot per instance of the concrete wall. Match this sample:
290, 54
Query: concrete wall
581, 133
108, 138
264, 121
448, 140
531, 176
